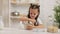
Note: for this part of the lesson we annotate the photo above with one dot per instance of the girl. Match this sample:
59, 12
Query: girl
33, 15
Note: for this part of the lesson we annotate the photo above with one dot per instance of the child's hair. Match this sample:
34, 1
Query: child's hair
34, 6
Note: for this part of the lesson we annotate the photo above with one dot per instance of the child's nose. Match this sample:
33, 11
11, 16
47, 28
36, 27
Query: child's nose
33, 15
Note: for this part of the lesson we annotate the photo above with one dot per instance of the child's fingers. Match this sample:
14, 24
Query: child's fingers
33, 20
24, 19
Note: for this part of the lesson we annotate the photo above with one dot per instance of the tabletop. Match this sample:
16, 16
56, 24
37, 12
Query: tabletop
19, 31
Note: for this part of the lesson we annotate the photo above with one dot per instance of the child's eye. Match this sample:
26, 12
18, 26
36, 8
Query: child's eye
30, 13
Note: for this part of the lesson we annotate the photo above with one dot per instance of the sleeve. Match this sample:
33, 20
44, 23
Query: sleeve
40, 22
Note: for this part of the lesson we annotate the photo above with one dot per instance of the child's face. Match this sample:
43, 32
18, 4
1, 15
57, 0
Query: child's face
33, 13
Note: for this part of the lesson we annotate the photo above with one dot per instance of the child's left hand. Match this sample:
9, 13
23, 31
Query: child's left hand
32, 20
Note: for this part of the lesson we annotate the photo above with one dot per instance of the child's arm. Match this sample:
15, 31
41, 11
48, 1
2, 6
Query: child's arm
40, 26
27, 19
23, 19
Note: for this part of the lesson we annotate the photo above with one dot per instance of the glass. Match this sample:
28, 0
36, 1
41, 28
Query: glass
53, 28
51, 25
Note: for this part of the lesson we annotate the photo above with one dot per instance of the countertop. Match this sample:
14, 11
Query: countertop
19, 31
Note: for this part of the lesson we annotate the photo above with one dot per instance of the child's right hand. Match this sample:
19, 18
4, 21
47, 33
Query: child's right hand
32, 20
23, 19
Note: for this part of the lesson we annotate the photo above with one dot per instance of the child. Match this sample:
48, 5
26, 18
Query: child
33, 15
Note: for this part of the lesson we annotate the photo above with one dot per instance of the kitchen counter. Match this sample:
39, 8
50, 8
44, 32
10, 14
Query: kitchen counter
19, 31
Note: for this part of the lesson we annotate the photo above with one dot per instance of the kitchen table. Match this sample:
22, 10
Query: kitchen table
19, 31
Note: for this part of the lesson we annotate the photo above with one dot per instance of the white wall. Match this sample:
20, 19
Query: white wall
0, 8
46, 9
5, 12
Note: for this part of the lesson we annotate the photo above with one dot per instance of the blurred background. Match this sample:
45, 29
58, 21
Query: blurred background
46, 10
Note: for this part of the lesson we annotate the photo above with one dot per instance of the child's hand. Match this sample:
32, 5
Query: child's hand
32, 20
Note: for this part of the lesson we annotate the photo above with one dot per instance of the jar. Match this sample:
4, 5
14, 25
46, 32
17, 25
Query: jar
53, 28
